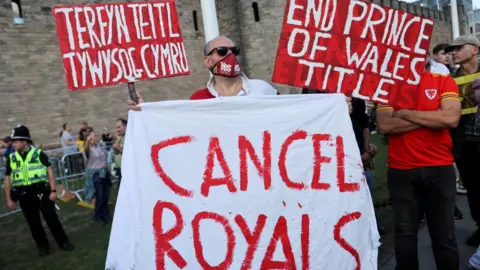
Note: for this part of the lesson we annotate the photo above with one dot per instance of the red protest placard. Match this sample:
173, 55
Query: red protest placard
354, 47
108, 44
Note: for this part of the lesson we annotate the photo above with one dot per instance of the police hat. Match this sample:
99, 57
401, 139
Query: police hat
21, 132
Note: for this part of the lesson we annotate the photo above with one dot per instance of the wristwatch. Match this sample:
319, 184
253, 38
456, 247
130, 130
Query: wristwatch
54, 190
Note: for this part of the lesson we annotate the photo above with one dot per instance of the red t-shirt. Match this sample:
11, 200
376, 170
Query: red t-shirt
202, 94
205, 94
424, 147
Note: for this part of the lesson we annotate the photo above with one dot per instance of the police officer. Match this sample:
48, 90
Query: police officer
29, 179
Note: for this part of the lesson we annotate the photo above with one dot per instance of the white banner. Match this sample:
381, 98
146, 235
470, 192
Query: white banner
261, 182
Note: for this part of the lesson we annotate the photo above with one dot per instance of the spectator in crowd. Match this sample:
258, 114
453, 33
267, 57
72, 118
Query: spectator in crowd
441, 65
466, 137
438, 68
67, 140
3, 148
82, 136
121, 127
440, 56
107, 138
83, 126
3, 144
367, 151
8, 146
89, 188
420, 170
69, 146
98, 176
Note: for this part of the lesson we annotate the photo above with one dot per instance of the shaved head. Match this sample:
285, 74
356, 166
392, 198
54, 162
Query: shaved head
217, 42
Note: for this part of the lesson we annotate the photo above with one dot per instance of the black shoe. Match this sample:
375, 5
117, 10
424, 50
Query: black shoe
43, 251
67, 246
474, 240
457, 214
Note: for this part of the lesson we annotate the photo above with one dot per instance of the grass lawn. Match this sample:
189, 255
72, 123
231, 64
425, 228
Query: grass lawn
18, 251
380, 191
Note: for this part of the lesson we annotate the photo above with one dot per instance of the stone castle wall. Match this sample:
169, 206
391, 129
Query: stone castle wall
33, 90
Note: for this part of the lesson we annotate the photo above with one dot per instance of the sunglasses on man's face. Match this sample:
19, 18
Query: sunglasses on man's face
458, 48
222, 50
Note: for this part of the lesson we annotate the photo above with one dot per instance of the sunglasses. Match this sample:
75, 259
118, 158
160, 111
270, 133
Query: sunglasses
222, 50
458, 48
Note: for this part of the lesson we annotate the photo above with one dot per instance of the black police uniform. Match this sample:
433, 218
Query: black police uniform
35, 198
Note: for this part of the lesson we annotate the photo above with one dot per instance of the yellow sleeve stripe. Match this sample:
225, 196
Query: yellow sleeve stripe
449, 93
451, 98
438, 75
448, 96
379, 108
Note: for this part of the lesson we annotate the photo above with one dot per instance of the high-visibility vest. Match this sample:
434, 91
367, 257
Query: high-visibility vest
29, 171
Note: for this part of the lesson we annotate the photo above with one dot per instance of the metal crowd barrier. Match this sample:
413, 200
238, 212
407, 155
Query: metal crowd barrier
69, 167
73, 177
4, 211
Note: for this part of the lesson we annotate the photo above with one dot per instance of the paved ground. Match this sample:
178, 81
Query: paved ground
464, 229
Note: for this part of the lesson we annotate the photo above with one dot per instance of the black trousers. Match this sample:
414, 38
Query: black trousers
435, 189
118, 172
33, 200
468, 165
102, 194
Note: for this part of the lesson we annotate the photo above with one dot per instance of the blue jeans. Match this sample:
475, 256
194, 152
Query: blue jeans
88, 187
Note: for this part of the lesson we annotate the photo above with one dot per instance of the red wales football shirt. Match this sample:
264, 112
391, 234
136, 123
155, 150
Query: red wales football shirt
424, 147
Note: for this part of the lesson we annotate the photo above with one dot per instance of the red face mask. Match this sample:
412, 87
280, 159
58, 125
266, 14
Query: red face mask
229, 66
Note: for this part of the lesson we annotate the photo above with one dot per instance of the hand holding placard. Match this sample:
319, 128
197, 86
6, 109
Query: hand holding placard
134, 106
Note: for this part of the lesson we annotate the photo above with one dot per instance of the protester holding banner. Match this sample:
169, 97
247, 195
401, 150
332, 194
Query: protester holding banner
227, 77
421, 170
466, 137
